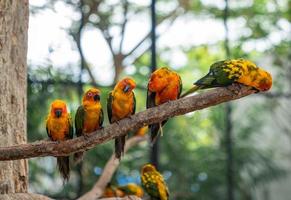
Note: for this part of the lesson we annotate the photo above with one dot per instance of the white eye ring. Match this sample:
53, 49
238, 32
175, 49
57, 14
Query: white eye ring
89, 94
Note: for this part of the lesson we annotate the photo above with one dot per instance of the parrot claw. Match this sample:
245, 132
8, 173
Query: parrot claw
117, 122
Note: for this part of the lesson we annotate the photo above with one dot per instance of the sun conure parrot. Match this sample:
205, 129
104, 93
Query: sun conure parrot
89, 117
112, 191
153, 183
227, 72
164, 85
59, 128
121, 104
122, 191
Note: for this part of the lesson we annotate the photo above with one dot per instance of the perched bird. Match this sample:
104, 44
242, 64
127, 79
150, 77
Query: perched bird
121, 104
227, 72
164, 85
132, 189
89, 117
122, 191
59, 128
112, 191
153, 183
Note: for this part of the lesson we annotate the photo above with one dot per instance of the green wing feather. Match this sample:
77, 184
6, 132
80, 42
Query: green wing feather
134, 104
180, 86
216, 77
101, 118
71, 128
48, 131
79, 121
109, 106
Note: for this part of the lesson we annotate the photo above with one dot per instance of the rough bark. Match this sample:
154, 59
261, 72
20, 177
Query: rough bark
149, 116
13, 49
23, 196
109, 169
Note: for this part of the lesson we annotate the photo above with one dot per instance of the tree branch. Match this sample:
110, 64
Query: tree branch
24, 196
149, 116
109, 169
173, 14
124, 198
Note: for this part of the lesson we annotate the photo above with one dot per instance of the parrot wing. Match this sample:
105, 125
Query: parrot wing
71, 128
180, 87
109, 106
154, 128
163, 190
216, 77
101, 118
47, 130
150, 99
79, 121
134, 104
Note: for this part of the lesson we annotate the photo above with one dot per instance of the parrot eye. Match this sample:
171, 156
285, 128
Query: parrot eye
89, 94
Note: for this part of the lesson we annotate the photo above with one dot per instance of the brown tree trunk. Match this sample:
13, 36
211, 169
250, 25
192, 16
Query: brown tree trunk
13, 49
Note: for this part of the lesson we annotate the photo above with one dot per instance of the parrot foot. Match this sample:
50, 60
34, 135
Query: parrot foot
117, 122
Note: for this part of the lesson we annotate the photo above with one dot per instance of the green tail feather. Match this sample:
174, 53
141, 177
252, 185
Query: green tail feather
190, 91
119, 146
64, 167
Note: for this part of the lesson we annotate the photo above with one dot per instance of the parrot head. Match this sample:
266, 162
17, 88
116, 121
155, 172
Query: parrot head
265, 82
92, 95
159, 79
126, 84
58, 108
148, 168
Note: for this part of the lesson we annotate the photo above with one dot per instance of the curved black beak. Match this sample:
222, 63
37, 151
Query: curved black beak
96, 97
58, 113
126, 88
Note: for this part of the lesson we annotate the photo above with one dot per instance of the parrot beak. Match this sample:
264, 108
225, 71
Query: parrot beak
126, 88
58, 113
96, 97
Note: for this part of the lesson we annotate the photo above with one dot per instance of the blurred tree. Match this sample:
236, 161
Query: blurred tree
13, 50
192, 157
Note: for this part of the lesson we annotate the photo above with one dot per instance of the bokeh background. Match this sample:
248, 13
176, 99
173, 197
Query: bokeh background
76, 44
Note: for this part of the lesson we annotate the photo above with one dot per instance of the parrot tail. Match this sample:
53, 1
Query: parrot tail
78, 157
193, 89
64, 167
119, 146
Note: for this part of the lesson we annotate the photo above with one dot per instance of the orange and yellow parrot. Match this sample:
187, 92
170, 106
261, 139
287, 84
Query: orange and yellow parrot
89, 117
59, 128
121, 104
112, 191
227, 72
122, 191
132, 189
153, 183
164, 85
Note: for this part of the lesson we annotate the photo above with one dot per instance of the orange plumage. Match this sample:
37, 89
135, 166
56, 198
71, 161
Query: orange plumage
121, 104
164, 85
59, 128
89, 116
